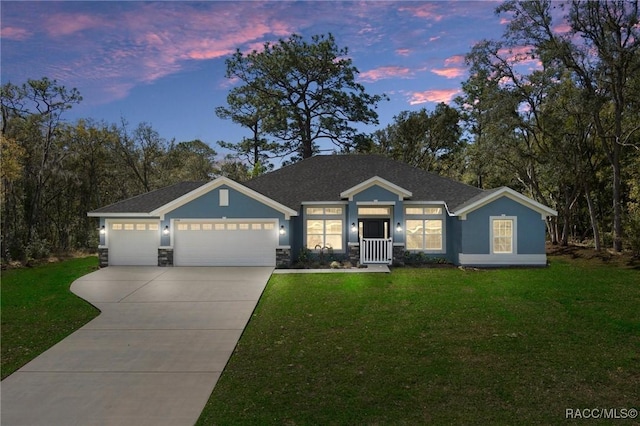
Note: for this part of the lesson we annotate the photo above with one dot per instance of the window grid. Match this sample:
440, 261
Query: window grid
503, 236
424, 234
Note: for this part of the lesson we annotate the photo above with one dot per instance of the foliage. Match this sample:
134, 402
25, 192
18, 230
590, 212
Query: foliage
39, 310
411, 258
53, 172
299, 92
435, 346
427, 140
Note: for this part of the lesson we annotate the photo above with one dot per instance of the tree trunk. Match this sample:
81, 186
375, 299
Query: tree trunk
592, 217
617, 203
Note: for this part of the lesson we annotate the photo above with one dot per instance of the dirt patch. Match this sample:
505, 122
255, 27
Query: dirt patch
604, 256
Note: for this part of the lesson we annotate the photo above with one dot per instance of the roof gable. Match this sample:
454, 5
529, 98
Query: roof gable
490, 196
216, 183
376, 181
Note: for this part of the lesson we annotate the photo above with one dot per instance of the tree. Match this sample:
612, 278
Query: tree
310, 90
601, 51
32, 117
189, 161
427, 140
250, 110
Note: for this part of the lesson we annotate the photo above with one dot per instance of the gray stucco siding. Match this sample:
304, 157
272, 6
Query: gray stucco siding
475, 231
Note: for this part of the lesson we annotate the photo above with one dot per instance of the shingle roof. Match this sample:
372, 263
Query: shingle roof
324, 177
148, 202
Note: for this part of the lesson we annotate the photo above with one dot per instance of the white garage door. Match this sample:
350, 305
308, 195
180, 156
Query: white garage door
133, 243
228, 243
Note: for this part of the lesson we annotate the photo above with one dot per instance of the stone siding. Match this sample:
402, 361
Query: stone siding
283, 257
165, 257
103, 257
398, 255
354, 254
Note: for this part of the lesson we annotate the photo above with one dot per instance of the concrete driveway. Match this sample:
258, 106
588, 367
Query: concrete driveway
152, 356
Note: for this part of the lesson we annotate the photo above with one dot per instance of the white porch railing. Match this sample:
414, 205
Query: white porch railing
376, 250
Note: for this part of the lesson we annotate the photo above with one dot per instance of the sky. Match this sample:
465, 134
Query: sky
163, 63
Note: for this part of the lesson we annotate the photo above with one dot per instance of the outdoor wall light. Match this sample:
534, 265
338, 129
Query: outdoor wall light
399, 227
282, 230
165, 231
103, 230
354, 228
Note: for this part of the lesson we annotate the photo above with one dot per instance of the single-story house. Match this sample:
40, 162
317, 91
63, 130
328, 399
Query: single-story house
367, 208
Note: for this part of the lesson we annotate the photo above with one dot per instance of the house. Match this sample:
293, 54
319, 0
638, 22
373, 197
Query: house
367, 208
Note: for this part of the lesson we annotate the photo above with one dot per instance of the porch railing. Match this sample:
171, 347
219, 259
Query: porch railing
376, 250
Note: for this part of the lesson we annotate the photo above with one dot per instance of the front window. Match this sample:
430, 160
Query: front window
324, 228
424, 234
502, 236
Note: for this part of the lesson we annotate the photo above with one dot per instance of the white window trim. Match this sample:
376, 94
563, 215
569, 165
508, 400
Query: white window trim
514, 237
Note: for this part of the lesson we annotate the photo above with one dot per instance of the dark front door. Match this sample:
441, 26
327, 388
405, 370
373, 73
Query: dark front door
375, 228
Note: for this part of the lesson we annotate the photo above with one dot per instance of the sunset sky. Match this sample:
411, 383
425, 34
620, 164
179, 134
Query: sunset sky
164, 62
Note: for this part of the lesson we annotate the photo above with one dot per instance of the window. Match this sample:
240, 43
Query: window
323, 211
423, 211
224, 197
374, 211
323, 228
424, 234
324, 233
116, 227
154, 227
502, 234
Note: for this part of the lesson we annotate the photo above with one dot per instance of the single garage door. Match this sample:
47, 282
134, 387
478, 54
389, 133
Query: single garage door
133, 243
228, 243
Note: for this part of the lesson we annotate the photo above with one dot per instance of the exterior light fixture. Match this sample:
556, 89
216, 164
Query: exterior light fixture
399, 227
103, 230
165, 231
354, 228
282, 230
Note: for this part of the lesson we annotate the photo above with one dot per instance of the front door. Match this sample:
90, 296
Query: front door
375, 228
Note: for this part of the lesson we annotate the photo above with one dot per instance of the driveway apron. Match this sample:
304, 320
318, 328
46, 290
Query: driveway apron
152, 356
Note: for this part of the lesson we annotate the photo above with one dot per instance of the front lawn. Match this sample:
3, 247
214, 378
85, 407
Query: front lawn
510, 346
38, 310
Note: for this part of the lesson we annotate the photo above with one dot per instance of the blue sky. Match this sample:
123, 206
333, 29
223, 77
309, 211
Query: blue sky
164, 62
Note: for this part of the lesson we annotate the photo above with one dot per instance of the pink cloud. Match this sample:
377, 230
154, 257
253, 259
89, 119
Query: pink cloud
522, 55
424, 11
449, 72
454, 60
386, 72
435, 96
14, 33
62, 24
562, 28
403, 52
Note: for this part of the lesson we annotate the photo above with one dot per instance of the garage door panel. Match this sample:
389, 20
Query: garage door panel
225, 244
133, 244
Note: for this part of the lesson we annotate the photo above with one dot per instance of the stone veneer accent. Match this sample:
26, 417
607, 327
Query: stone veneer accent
283, 257
398, 255
354, 254
103, 257
165, 257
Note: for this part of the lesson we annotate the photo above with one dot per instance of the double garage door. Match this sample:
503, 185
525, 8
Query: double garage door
228, 243
201, 243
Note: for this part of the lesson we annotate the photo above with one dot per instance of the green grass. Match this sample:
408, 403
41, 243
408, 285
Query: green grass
39, 310
444, 346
